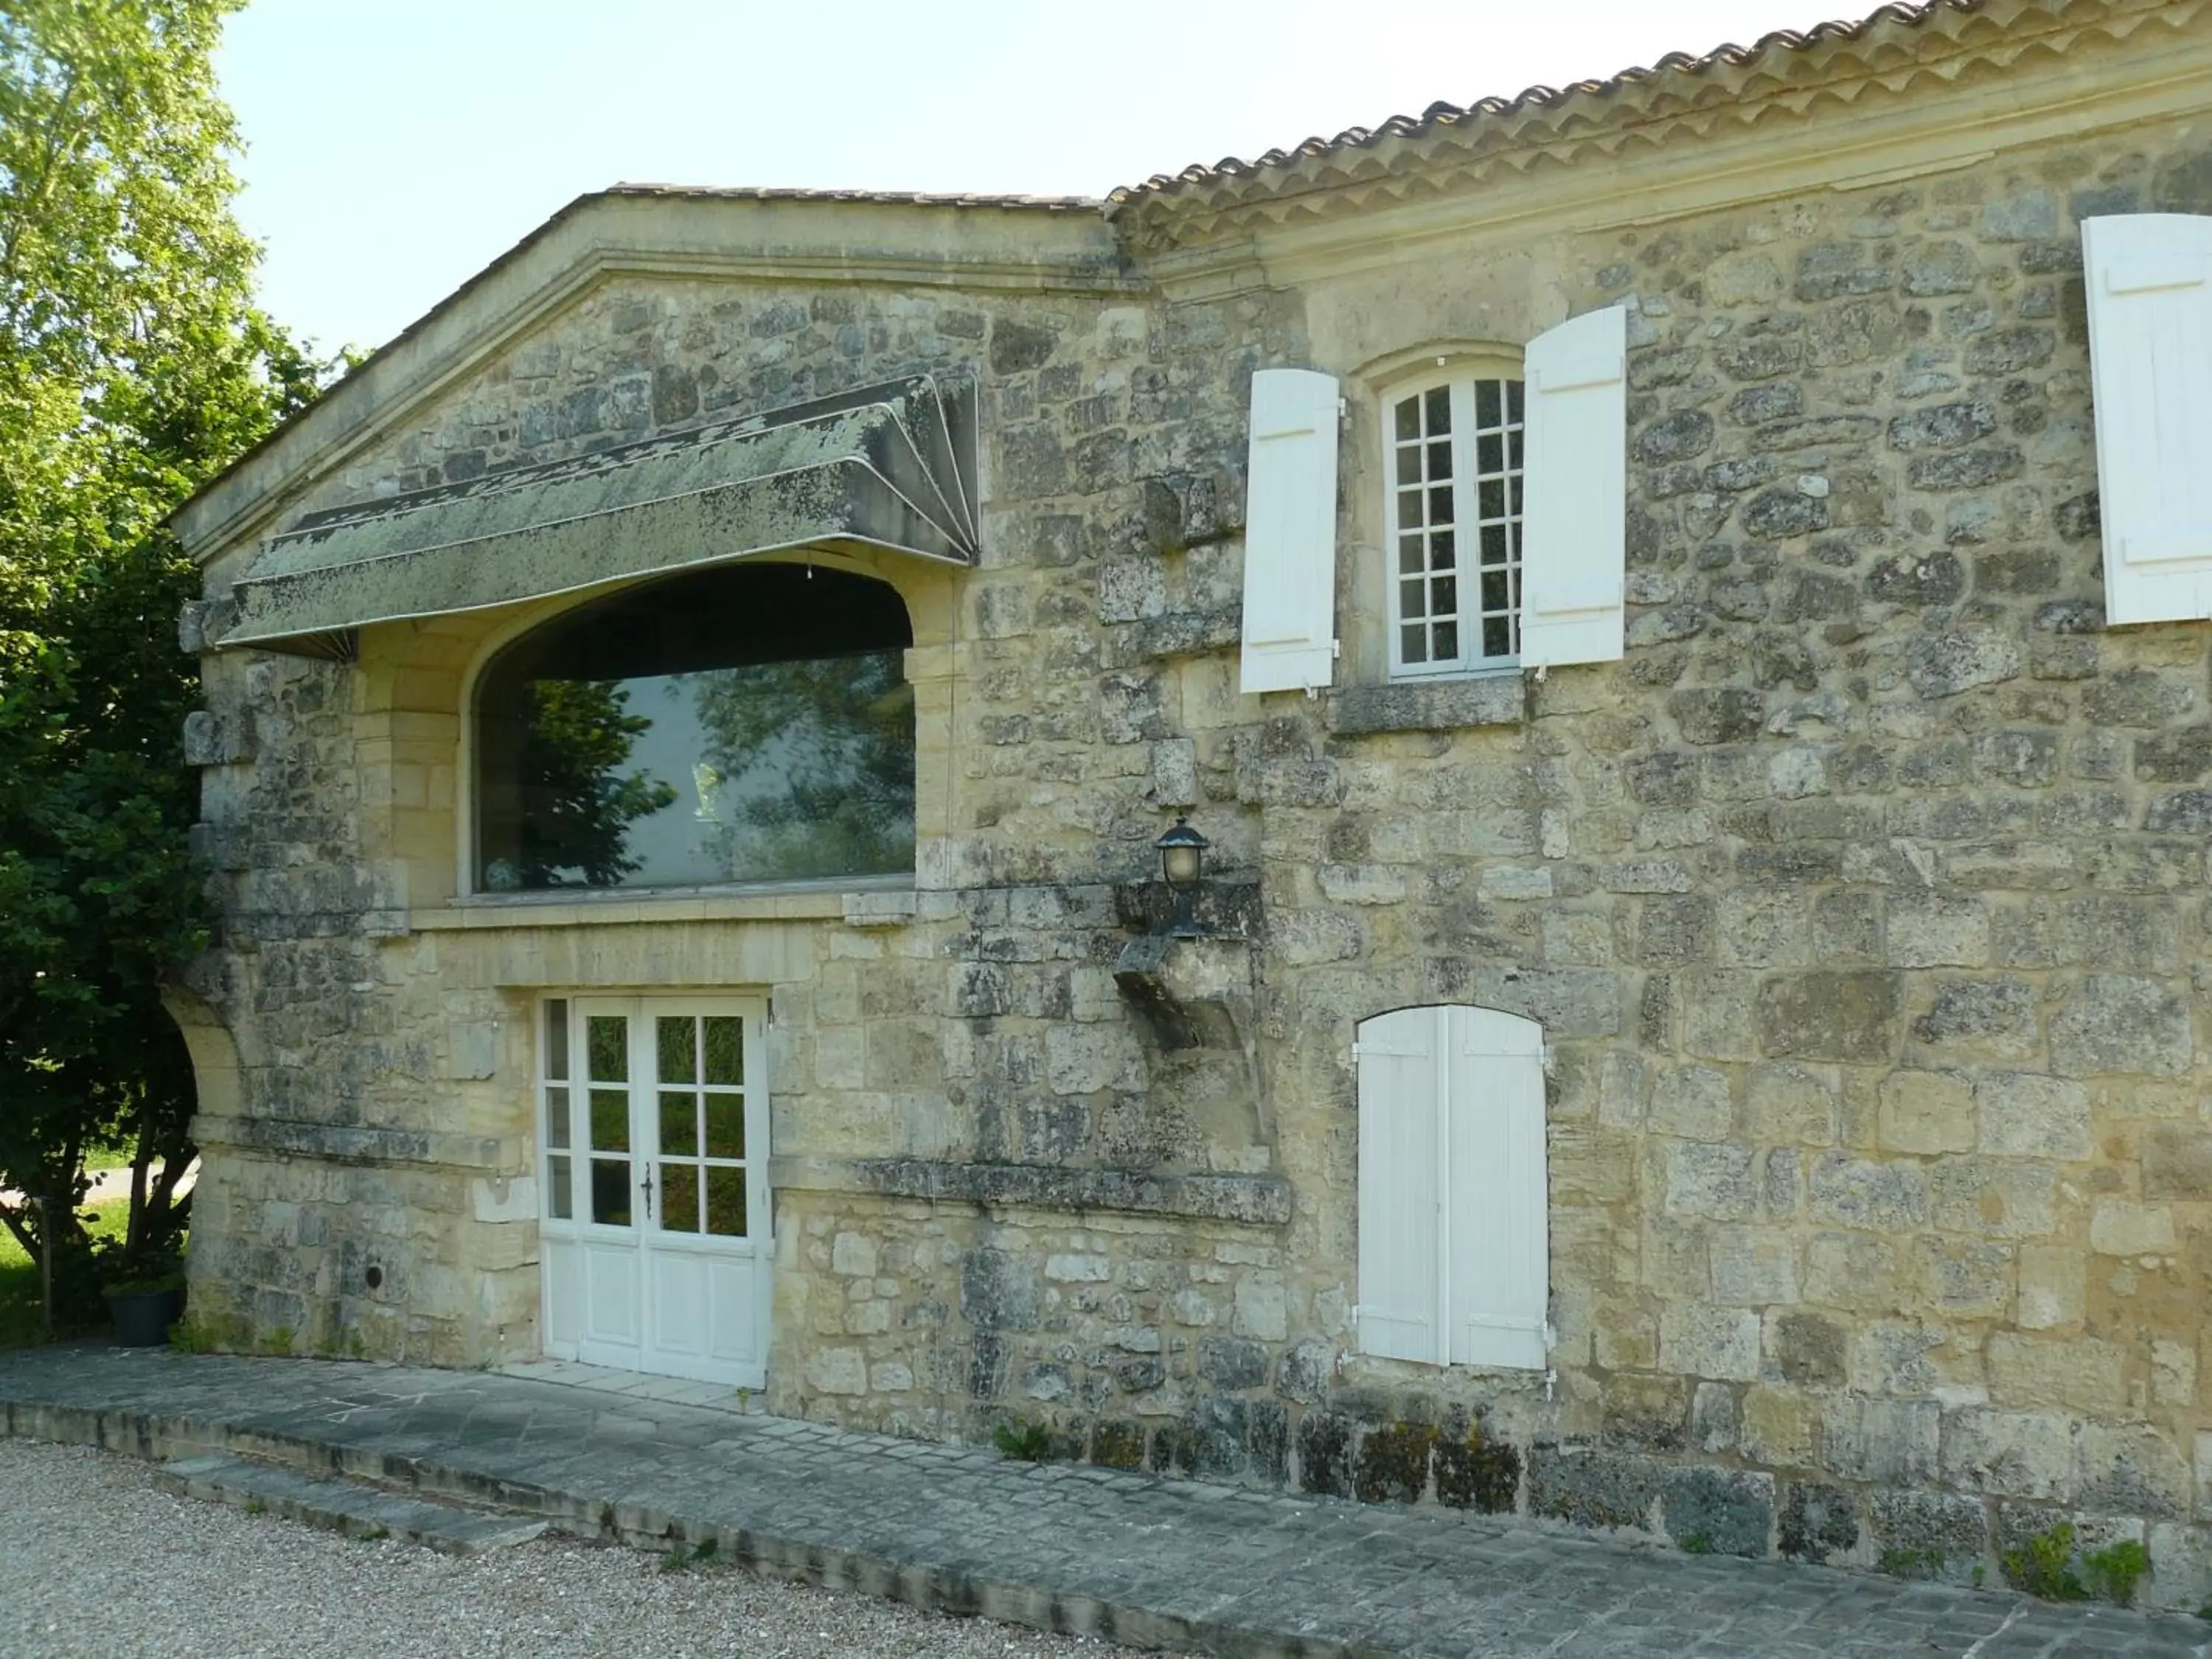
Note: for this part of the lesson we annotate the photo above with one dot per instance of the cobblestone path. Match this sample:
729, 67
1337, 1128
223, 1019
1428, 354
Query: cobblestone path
1136, 1559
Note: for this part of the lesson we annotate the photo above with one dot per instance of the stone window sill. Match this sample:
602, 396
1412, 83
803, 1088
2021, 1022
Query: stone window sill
1428, 705
873, 902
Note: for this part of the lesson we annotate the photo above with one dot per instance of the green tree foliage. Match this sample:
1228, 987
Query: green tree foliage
133, 366
582, 803
820, 752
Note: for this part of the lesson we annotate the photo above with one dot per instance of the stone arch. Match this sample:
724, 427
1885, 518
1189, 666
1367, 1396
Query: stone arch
217, 1078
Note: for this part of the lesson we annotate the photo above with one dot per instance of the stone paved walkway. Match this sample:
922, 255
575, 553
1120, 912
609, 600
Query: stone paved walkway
1142, 1560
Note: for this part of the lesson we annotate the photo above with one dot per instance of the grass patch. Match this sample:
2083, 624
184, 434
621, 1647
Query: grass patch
1023, 1443
20, 1323
2044, 1565
1911, 1564
2114, 1572
704, 1553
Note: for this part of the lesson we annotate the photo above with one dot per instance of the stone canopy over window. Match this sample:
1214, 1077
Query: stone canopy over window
888, 466
750, 723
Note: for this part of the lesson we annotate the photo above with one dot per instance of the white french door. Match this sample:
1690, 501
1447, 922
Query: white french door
652, 1128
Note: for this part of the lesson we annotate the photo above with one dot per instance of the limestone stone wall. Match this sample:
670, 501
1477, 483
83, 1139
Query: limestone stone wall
1861, 902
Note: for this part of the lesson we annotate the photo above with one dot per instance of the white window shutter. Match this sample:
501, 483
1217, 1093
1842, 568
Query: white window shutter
1498, 1263
1574, 531
2149, 282
1289, 532
1401, 1127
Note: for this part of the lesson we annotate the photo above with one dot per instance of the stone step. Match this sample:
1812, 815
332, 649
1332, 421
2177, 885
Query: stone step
344, 1506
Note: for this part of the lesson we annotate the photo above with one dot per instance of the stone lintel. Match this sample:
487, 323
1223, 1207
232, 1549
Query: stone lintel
1260, 1200
1427, 705
333, 1143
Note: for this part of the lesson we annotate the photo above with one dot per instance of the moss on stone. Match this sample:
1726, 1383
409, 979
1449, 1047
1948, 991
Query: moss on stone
1325, 1454
1393, 1465
1118, 1444
1474, 1474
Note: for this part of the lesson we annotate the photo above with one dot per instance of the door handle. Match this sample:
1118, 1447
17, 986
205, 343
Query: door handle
647, 1184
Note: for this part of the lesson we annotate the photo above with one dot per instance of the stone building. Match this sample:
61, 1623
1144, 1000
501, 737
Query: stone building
1694, 1024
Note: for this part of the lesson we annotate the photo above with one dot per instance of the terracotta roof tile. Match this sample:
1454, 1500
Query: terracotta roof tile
1441, 115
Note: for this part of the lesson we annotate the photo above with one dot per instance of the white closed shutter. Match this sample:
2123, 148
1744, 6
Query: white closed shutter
2149, 284
1498, 1249
1574, 537
1289, 532
1454, 1251
1401, 1057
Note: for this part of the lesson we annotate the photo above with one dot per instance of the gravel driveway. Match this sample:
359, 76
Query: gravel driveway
95, 1562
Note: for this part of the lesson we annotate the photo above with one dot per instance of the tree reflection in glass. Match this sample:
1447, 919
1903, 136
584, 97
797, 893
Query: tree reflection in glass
817, 758
741, 725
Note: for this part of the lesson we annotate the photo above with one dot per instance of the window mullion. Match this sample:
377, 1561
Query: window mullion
1467, 544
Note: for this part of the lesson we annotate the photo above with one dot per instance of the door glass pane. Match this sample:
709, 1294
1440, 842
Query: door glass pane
679, 1198
607, 1037
611, 1191
556, 1041
725, 1049
557, 1204
679, 1125
610, 1121
725, 1202
672, 1038
726, 1126
556, 1117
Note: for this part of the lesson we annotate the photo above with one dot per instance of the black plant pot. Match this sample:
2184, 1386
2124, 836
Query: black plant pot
142, 1318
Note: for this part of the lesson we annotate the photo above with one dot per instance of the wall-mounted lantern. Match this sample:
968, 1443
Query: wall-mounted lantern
1182, 864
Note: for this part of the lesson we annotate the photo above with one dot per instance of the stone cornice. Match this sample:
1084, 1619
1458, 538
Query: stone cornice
1910, 83
982, 245
1254, 1200
357, 1144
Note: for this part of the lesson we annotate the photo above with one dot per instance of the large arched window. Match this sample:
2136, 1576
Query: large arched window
745, 724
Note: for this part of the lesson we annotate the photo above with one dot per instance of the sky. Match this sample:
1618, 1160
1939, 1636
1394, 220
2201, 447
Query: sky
394, 148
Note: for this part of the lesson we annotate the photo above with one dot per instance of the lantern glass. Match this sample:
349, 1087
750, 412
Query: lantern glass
1183, 855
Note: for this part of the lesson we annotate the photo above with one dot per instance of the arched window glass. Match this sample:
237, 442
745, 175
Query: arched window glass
746, 724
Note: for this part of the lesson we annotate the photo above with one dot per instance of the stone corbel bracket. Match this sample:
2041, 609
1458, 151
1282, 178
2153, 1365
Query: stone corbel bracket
1197, 992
